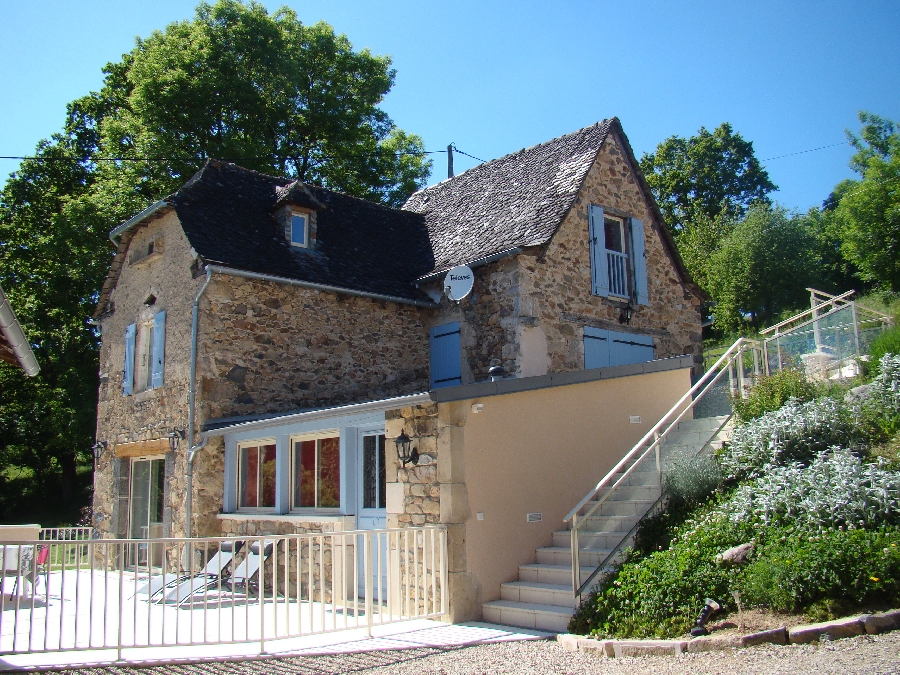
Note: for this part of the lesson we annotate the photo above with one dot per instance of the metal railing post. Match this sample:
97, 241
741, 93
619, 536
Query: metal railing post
367, 571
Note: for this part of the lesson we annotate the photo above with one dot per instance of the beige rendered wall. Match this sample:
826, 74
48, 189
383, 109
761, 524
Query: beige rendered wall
541, 451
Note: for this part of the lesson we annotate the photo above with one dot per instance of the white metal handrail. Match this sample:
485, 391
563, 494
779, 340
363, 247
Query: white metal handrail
101, 594
702, 383
652, 440
833, 300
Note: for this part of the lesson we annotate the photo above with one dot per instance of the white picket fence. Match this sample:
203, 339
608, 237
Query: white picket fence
79, 594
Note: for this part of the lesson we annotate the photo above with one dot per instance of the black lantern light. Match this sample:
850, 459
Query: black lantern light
406, 455
98, 448
626, 314
175, 436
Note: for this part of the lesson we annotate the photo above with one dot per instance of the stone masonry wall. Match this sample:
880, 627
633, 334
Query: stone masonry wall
555, 285
488, 319
268, 347
149, 414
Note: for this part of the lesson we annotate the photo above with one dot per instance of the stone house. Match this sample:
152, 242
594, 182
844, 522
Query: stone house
284, 333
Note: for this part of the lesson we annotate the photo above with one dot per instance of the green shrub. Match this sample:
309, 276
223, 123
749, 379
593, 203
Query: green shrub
660, 595
825, 575
772, 392
888, 342
691, 481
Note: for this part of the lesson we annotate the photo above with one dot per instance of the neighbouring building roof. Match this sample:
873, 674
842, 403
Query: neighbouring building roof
514, 201
14, 347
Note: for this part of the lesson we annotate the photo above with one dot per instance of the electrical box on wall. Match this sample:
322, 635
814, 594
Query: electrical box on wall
533, 517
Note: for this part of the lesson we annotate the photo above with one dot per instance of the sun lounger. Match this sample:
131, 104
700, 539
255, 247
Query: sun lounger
173, 587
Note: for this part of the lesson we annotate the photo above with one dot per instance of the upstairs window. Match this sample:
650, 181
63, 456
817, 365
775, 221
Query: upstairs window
618, 263
145, 351
299, 230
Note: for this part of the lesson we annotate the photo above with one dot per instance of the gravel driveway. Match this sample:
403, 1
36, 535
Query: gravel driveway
864, 655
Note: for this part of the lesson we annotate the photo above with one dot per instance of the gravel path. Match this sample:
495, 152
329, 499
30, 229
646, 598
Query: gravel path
865, 655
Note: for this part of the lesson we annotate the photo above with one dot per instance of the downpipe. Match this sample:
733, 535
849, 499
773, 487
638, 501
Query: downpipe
192, 391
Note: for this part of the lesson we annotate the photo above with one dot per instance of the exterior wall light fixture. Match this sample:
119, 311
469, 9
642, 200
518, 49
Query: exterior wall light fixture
175, 436
626, 314
404, 453
98, 448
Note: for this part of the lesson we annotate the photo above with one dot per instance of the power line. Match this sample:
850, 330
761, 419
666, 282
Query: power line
39, 158
803, 152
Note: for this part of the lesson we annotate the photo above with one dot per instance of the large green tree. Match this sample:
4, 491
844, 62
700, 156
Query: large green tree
236, 83
712, 174
760, 268
868, 210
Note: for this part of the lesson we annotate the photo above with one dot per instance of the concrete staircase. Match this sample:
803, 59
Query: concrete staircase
542, 596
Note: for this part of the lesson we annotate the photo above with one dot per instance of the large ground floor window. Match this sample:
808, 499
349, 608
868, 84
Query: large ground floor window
316, 473
256, 476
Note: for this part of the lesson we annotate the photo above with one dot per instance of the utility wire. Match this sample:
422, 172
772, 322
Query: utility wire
803, 152
39, 158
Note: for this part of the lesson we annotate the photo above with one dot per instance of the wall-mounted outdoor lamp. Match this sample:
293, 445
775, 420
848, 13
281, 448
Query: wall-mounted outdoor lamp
626, 314
175, 436
98, 448
406, 455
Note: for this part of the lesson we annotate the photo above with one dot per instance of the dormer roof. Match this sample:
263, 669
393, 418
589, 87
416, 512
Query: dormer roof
296, 194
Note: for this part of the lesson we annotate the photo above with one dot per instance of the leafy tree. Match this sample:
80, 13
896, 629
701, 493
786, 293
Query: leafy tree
868, 211
762, 267
713, 173
236, 83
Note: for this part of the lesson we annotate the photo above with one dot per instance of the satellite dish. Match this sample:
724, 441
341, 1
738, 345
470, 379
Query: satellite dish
459, 282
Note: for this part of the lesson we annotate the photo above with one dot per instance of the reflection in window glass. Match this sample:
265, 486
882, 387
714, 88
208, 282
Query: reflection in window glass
613, 235
316, 473
373, 472
256, 481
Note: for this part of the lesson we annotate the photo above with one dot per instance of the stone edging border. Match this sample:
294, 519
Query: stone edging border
864, 624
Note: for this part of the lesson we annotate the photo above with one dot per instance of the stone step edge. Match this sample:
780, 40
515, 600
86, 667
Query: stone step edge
863, 624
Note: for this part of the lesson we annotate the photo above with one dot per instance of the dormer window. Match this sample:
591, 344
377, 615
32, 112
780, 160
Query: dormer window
299, 226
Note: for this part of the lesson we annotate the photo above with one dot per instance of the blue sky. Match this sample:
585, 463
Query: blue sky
494, 77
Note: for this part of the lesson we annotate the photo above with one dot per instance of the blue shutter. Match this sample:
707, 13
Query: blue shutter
445, 356
159, 349
599, 271
625, 348
596, 347
640, 262
128, 377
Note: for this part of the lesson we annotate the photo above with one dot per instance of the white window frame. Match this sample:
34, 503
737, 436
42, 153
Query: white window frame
381, 465
314, 436
237, 486
305, 218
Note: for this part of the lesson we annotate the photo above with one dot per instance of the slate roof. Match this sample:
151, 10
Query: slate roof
514, 201
226, 212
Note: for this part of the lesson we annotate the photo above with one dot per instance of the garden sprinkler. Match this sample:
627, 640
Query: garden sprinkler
709, 608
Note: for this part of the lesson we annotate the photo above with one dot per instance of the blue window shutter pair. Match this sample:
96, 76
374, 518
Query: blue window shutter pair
600, 265
128, 378
604, 348
159, 349
445, 356
157, 357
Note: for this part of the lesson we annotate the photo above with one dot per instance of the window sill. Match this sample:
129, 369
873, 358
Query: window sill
285, 517
147, 259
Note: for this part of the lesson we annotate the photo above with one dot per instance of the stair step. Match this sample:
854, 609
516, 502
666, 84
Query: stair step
551, 574
528, 615
543, 594
562, 555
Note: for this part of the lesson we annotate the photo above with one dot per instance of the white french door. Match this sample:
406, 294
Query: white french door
145, 517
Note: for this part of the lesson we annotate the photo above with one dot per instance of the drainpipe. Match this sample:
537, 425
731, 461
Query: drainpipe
192, 449
12, 331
